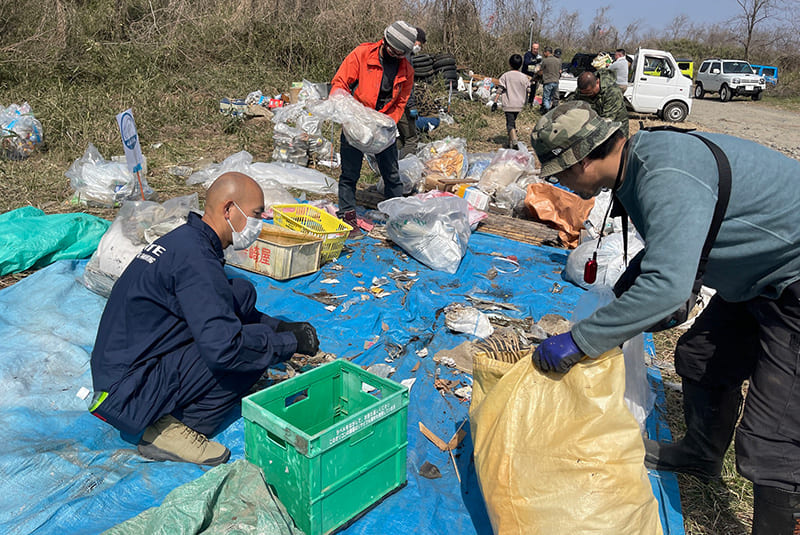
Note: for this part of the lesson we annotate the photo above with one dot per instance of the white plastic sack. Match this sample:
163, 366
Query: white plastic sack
435, 231
104, 183
138, 223
411, 169
506, 167
610, 262
368, 130
287, 174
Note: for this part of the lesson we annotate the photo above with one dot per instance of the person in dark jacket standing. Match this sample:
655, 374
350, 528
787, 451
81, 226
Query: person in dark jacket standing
380, 76
531, 64
179, 344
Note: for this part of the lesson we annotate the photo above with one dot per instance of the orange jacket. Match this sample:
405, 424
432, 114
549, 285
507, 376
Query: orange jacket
360, 74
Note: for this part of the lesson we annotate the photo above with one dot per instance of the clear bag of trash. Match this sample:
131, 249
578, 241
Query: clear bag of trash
478, 162
559, 453
435, 231
410, 168
100, 182
368, 130
138, 224
20, 131
445, 158
287, 174
506, 167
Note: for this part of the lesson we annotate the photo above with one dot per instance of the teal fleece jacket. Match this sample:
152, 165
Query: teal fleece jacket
669, 191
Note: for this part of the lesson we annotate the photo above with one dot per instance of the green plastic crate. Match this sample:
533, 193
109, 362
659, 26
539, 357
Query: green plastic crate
331, 441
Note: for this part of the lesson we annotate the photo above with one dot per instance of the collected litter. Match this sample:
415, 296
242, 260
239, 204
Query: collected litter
20, 131
287, 175
137, 224
99, 182
434, 230
469, 320
429, 471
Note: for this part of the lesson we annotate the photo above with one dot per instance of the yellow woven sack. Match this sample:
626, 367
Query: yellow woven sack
559, 454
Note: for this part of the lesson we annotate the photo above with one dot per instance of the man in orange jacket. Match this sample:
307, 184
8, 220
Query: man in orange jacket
380, 76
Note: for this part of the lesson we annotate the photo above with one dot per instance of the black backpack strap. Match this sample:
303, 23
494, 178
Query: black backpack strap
723, 196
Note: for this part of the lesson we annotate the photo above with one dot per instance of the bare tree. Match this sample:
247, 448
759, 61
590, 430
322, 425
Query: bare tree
566, 31
754, 13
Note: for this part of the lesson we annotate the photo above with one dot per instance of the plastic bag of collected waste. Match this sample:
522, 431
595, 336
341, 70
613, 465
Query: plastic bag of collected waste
100, 182
506, 167
445, 159
478, 162
138, 223
20, 131
610, 261
559, 453
290, 144
411, 169
434, 230
368, 130
560, 209
288, 175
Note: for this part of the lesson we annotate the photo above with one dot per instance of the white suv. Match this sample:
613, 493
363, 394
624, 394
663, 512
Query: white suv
730, 78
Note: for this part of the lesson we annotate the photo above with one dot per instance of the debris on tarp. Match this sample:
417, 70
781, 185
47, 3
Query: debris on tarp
466, 319
429, 471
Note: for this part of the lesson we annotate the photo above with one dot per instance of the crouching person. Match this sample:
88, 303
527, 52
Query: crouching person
179, 344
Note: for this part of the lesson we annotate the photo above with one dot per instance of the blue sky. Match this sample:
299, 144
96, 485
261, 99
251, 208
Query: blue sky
655, 15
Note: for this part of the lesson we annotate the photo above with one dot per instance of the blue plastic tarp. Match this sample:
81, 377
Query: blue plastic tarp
64, 471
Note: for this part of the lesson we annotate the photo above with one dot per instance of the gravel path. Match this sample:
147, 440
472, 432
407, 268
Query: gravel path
773, 127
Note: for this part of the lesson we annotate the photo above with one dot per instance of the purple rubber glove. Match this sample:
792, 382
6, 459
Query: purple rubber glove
558, 353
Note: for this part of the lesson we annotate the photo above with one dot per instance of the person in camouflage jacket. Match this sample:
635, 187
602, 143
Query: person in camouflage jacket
601, 91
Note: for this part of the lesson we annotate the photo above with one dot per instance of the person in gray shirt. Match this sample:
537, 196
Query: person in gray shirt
668, 183
620, 68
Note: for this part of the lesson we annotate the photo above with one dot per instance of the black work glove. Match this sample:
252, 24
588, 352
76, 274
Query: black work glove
494, 106
306, 335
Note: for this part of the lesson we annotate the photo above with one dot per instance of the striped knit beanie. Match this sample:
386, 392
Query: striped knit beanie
401, 36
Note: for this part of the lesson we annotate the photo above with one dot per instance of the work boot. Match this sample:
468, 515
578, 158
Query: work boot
711, 417
351, 219
512, 138
170, 440
775, 511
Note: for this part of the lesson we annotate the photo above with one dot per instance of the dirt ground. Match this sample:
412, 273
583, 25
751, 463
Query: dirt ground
776, 128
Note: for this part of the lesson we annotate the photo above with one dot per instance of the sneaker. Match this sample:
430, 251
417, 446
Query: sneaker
170, 440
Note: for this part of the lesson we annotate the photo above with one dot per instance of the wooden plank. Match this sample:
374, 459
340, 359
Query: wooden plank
521, 230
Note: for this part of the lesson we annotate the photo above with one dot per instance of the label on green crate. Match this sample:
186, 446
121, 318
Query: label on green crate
363, 421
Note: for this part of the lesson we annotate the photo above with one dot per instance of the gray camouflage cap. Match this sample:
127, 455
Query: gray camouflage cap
567, 134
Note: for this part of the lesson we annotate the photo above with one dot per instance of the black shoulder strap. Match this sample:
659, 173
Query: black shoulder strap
723, 196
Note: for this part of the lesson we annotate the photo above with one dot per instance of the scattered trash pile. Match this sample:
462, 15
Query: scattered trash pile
20, 132
104, 183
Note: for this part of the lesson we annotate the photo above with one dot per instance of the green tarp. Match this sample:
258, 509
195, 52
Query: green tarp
31, 239
229, 499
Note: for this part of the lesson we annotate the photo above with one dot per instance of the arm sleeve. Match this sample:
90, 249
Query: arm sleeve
347, 74
227, 347
678, 209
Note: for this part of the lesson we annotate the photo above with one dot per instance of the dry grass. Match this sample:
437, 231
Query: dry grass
716, 508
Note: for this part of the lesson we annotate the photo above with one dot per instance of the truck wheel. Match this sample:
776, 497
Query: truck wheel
698, 90
675, 112
757, 96
725, 93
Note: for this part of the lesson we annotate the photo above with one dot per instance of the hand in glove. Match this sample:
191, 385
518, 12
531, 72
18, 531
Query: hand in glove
494, 106
558, 353
306, 335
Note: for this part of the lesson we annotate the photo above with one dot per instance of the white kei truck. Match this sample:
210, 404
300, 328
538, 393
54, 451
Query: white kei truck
655, 85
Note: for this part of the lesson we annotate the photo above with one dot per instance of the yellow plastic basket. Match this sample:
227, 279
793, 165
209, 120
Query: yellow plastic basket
311, 220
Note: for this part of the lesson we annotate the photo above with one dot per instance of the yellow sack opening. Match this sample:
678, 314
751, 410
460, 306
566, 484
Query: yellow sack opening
560, 453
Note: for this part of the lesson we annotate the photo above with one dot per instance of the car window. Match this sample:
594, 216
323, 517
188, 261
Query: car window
715, 65
769, 72
736, 67
704, 66
654, 66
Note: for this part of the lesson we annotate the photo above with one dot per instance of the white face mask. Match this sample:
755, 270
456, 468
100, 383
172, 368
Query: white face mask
416, 49
248, 235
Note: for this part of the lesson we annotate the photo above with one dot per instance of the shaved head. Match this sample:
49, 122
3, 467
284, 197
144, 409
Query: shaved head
231, 199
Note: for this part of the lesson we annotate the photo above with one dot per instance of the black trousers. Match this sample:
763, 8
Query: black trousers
352, 159
760, 340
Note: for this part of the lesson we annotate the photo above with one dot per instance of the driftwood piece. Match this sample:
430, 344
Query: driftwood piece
521, 230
